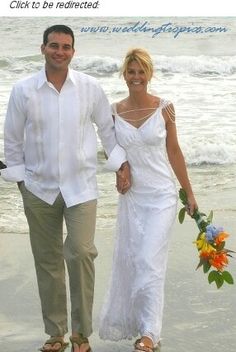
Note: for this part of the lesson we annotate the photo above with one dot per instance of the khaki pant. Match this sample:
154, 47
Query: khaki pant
46, 236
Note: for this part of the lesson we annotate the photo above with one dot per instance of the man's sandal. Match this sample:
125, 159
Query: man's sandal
140, 346
79, 340
52, 341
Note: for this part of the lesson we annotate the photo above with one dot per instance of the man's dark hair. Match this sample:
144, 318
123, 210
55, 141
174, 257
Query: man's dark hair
58, 28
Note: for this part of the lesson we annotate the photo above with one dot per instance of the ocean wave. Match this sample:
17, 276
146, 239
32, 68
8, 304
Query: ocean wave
4, 63
97, 65
27, 64
197, 65
105, 66
206, 153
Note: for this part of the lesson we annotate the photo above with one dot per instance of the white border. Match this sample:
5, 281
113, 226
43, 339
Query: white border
127, 8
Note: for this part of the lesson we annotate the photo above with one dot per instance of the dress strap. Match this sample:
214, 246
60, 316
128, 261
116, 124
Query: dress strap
169, 109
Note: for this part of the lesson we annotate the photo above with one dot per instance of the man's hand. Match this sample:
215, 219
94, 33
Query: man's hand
123, 178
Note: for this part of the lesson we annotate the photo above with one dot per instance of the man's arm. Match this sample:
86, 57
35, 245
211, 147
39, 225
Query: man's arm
116, 155
102, 116
14, 138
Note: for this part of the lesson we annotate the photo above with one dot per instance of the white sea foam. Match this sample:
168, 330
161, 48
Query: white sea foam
107, 65
205, 152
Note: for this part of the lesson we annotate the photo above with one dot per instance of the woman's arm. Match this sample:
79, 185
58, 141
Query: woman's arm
176, 157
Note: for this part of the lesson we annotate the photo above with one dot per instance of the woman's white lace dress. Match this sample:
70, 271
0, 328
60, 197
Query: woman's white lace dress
134, 302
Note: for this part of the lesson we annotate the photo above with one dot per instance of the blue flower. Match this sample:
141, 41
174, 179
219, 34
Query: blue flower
212, 232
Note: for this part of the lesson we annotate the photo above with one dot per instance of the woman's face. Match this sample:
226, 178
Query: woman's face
135, 77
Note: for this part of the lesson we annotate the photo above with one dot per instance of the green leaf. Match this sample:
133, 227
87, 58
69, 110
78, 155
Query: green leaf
183, 196
206, 266
210, 217
201, 262
182, 215
227, 277
212, 276
219, 281
220, 246
229, 251
217, 277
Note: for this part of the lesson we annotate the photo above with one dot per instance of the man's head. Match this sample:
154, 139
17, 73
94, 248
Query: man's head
58, 48
58, 28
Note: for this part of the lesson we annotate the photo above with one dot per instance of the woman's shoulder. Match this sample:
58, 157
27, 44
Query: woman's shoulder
168, 110
160, 102
118, 106
164, 103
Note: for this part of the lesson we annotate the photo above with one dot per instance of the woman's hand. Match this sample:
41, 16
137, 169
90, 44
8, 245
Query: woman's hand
192, 205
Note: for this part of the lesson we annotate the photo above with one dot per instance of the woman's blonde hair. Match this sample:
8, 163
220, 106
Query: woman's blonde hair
142, 57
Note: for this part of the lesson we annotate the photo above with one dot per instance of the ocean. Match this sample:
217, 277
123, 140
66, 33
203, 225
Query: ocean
195, 68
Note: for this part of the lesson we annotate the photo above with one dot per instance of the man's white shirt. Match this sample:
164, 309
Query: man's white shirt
50, 140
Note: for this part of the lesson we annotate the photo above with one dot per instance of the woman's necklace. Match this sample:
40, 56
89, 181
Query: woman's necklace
141, 118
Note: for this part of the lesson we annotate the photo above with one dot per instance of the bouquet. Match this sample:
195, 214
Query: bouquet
210, 244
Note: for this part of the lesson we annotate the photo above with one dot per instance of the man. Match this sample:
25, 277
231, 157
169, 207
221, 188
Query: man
50, 151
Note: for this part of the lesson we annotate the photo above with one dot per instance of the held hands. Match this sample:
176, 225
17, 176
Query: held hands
123, 178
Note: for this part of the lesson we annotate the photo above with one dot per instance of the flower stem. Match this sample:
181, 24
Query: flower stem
201, 223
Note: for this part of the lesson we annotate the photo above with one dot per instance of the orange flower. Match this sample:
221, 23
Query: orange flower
219, 260
206, 254
221, 237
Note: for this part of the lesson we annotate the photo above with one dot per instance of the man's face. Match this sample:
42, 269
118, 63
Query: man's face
58, 51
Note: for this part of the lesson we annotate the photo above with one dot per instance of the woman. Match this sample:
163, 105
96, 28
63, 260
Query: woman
145, 127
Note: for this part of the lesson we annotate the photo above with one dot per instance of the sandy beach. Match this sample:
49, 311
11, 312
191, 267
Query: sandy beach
197, 316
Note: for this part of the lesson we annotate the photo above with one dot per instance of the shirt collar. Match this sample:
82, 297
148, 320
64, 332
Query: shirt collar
71, 76
42, 78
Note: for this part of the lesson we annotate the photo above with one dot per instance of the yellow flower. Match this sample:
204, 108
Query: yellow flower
202, 244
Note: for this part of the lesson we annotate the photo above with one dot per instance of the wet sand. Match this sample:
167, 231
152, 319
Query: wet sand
197, 316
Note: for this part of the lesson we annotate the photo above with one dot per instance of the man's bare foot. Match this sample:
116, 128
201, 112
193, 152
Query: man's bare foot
83, 348
80, 343
55, 343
